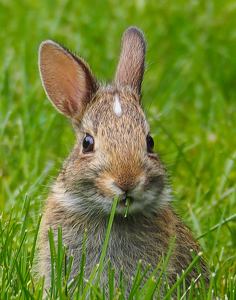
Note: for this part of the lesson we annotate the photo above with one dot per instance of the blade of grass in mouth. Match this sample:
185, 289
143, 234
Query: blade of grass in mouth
127, 203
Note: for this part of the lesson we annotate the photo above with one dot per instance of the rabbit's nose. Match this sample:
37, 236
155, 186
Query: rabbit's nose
127, 171
126, 182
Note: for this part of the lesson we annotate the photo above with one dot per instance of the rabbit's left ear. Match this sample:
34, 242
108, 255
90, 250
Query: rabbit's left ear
131, 64
68, 81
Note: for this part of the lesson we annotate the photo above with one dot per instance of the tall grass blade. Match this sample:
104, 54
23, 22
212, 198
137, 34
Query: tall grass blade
106, 240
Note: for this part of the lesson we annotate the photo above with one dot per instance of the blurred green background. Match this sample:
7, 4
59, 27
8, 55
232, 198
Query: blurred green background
189, 95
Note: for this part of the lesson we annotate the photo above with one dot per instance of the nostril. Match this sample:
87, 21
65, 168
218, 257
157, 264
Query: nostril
128, 183
125, 183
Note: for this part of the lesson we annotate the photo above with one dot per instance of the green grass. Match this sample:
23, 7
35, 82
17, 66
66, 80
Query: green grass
18, 280
188, 94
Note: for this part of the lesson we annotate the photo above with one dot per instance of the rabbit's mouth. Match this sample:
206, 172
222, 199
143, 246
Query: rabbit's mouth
123, 202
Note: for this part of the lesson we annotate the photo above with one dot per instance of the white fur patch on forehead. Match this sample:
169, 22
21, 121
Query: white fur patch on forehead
117, 106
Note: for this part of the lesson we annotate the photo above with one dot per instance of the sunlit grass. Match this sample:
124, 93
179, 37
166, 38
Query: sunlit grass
18, 280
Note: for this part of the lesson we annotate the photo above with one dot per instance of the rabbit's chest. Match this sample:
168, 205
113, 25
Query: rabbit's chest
126, 247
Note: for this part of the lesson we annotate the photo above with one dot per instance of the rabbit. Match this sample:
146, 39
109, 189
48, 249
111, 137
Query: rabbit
112, 157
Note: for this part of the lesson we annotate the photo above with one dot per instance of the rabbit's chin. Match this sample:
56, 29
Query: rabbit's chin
96, 204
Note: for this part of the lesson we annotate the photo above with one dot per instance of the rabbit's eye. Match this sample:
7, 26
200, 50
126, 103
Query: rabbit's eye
150, 143
88, 144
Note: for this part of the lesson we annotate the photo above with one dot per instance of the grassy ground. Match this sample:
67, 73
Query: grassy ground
188, 93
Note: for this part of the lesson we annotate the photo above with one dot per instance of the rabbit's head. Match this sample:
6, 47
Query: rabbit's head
113, 153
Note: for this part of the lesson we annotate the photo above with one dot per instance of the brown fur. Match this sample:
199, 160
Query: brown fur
120, 165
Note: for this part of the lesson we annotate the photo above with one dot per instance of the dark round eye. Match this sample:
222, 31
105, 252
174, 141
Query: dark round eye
88, 144
150, 143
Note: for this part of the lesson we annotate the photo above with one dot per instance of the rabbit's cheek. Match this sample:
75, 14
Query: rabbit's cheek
105, 187
155, 181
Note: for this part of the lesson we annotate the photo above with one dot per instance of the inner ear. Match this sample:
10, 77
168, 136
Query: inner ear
131, 64
67, 79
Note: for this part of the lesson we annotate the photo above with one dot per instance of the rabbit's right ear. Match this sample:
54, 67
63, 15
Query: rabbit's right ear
67, 79
131, 64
